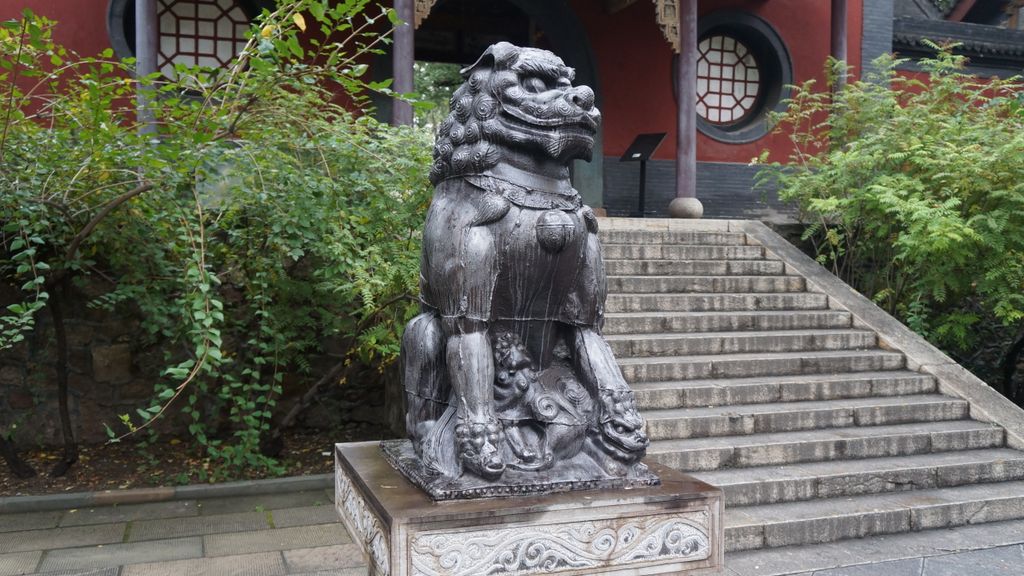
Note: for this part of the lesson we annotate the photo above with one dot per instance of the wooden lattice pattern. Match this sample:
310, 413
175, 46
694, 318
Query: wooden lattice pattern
728, 80
200, 33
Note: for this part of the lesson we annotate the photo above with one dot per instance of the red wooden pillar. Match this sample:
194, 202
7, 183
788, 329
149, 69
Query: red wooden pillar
686, 204
147, 46
402, 60
838, 44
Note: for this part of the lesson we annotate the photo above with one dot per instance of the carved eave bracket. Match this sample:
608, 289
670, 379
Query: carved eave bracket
423, 8
668, 20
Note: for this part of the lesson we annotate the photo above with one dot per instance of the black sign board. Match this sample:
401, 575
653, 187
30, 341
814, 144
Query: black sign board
641, 150
643, 147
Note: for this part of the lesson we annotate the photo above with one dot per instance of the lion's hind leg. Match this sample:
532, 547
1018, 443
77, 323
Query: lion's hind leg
424, 374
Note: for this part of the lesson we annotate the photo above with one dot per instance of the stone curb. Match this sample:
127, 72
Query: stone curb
16, 504
987, 404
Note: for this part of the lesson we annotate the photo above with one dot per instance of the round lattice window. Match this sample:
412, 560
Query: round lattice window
728, 80
200, 33
743, 69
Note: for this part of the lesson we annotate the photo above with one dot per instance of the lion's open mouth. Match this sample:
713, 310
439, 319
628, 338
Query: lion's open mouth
570, 129
582, 121
565, 141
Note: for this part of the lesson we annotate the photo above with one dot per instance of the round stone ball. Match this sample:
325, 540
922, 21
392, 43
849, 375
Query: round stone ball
686, 208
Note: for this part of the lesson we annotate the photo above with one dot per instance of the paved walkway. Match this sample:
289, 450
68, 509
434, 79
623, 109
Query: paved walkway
297, 534
280, 534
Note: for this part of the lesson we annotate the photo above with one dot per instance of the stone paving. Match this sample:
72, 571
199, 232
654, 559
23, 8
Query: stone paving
297, 534
282, 534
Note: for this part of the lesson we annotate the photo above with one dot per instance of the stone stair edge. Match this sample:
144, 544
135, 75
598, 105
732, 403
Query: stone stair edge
668, 322
840, 434
986, 404
714, 301
713, 392
838, 404
739, 333
878, 352
782, 524
694, 313
735, 421
669, 224
790, 379
659, 344
700, 276
816, 445
859, 556
674, 237
931, 463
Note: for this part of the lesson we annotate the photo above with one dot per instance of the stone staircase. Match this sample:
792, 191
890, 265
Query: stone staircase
820, 417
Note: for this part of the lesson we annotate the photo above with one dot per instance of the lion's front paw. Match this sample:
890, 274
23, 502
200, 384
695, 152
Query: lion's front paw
621, 430
478, 444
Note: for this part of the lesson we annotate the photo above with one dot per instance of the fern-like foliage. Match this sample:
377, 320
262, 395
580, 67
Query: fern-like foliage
912, 184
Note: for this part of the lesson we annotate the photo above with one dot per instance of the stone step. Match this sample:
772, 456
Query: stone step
792, 416
694, 267
681, 252
720, 392
755, 384
664, 368
990, 549
686, 322
715, 302
844, 478
818, 521
672, 237
628, 345
635, 284
719, 452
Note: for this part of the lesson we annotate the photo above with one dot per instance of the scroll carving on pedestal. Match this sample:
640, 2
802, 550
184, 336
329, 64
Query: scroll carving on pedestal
543, 549
364, 524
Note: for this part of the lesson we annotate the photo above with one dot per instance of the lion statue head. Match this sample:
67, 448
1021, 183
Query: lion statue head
515, 101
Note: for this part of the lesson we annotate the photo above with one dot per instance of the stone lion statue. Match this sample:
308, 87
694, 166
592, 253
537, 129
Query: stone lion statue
508, 380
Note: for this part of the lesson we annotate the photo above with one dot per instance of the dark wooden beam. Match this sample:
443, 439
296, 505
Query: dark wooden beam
686, 204
402, 60
961, 10
147, 46
839, 34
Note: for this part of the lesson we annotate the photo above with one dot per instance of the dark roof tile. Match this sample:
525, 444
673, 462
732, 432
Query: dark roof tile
977, 40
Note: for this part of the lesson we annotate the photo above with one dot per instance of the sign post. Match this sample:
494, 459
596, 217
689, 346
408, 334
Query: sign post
641, 150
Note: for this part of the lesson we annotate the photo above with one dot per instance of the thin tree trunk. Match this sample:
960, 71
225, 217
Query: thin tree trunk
273, 443
56, 286
70, 446
18, 467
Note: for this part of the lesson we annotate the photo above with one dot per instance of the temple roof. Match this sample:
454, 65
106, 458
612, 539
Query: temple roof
1000, 47
943, 9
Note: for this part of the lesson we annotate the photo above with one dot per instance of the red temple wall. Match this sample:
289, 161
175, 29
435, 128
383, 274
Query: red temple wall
634, 66
81, 24
633, 60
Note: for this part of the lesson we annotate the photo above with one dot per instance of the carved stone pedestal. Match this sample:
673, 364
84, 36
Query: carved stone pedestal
674, 528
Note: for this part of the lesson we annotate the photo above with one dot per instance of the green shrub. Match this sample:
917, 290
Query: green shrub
260, 220
913, 189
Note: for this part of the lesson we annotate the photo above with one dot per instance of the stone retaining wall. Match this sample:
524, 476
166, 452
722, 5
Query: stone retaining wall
111, 371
